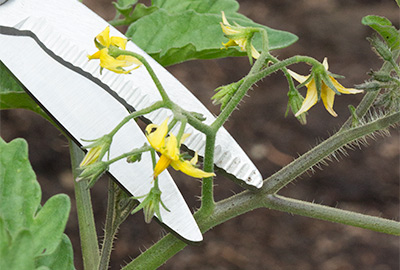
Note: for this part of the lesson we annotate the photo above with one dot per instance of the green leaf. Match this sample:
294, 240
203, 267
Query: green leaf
385, 28
16, 254
200, 6
52, 217
12, 96
20, 208
60, 259
19, 191
188, 29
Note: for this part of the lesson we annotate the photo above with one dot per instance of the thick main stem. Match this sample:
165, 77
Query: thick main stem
287, 174
109, 231
248, 200
87, 228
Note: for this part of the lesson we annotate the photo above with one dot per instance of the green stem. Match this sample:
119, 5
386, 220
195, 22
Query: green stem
117, 52
240, 93
136, 151
157, 255
362, 108
181, 129
255, 75
331, 214
369, 97
136, 114
207, 187
300, 165
109, 231
246, 201
87, 228
395, 66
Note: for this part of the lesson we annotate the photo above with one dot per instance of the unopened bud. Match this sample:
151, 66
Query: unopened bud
381, 48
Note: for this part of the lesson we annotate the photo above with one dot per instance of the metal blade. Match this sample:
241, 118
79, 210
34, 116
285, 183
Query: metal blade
74, 22
86, 109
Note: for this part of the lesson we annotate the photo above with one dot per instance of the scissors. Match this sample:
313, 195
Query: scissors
45, 43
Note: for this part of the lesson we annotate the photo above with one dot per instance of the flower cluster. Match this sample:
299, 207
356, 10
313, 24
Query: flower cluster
321, 85
168, 147
104, 42
239, 36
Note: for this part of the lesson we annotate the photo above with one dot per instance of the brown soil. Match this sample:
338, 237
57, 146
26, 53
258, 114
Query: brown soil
366, 181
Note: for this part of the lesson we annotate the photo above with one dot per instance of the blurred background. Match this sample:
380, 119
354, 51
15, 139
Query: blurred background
366, 181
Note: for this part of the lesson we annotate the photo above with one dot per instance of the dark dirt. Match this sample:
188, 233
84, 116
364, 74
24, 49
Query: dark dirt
365, 181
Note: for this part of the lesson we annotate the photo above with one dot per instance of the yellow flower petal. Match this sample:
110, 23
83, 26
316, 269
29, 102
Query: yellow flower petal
230, 43
129, 60
96, 55
325, 63
156, 138
254, 52
161, 165
171, 148
311, 98
188, 168
224, 20
119, 42
194, 159
298, 77
328, 98
104, 37
343, 89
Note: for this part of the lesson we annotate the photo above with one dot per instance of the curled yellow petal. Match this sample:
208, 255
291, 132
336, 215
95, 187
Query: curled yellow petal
104, 37
119, 42
171, 148
311, 98
96, 55
328, 98
188, 168
298, 77
156, 137
343, 89
161, 165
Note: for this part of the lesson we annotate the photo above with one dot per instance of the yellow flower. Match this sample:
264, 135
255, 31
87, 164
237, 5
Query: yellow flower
103, 41
238, 36
327, 94
169, 149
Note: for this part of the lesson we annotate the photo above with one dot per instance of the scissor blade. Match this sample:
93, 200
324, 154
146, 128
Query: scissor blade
85, 108
76, 23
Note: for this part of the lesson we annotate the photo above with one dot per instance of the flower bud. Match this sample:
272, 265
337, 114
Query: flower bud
381, 48
93, 172
151, 204
225, 93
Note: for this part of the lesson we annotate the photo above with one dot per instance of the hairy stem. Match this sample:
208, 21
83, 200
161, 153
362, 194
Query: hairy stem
336, 215
265, 197
369, 97
109, 231
87, 229
287, 174
207, 188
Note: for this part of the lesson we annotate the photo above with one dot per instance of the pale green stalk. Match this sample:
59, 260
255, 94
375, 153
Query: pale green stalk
87, 228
